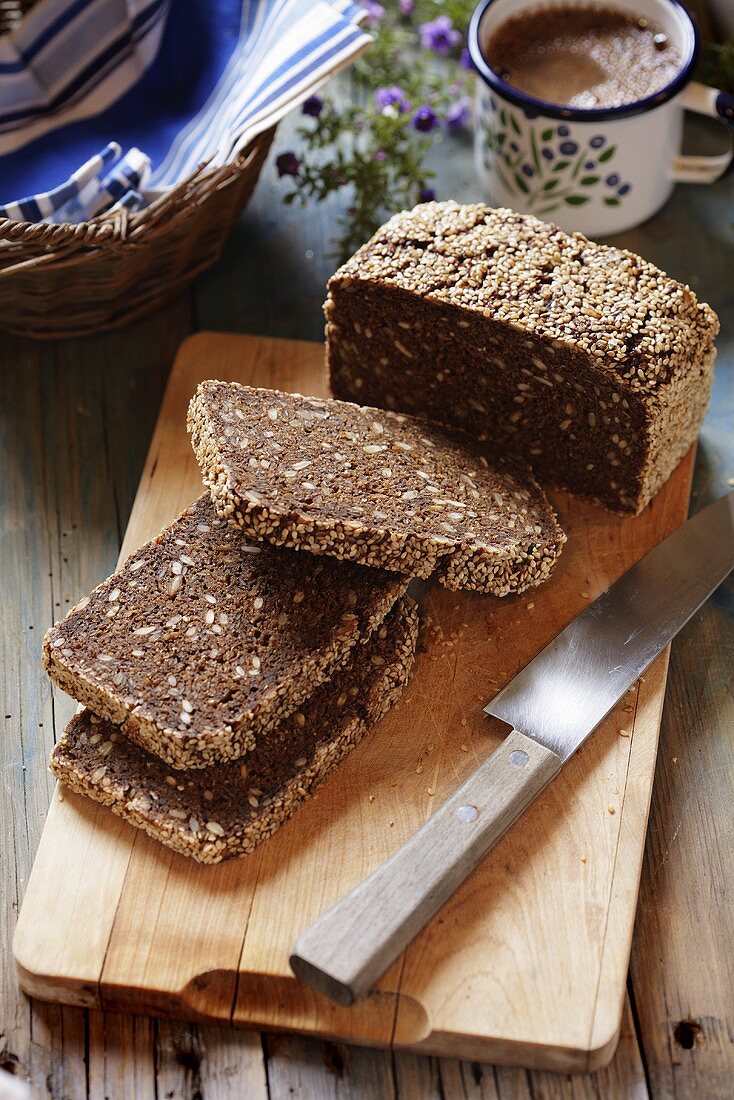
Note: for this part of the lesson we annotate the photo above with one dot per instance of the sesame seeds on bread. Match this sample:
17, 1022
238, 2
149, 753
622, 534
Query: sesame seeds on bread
201, 642
634, 320
373, 487
585, 360
228, 809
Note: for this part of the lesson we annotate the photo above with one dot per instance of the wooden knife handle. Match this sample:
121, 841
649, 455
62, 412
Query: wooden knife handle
345, 951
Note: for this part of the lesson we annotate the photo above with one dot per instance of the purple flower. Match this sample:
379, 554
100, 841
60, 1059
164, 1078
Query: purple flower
563, 131
527, 170
313, 106
515, 147
465, 60
457, 115
424, 120
625, 189
406, 6
597, 142
392, 100
568, 148
375, 12
613, 180
426, 194
547, 154
440, 36
381, 156
589, 165
288, 164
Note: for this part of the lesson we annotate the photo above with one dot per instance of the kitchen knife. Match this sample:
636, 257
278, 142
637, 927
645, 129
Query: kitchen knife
553, 704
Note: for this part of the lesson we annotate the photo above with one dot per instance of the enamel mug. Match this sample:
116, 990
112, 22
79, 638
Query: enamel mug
601, 170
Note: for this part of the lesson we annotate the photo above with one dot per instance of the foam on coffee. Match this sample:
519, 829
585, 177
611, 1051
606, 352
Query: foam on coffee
584, 57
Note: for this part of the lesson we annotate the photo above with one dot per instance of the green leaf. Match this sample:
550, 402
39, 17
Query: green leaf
589, 181
717, 66
504, 181
515, 127
577, 166
550, 185
547, 134
611, 202
503, 116
561, 165
534, 149
607, 154
522, 186
576, 200
501, 138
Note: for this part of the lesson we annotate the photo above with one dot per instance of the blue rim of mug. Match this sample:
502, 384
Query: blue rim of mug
578, 114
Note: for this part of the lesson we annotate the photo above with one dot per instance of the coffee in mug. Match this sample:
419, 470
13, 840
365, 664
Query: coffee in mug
579, 108
583, 57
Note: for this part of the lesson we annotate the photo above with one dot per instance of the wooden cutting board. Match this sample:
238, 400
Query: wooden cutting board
526, 965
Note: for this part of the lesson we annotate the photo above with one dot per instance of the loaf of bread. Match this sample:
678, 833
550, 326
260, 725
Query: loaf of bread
373, 487
228, 809
201, 642
583, 359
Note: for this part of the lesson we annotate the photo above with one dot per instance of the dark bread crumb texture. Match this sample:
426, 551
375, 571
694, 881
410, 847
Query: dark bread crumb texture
228, 809
583, 359
379, 488
201, 642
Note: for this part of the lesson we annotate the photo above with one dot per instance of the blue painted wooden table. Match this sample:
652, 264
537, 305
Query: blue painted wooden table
76, 421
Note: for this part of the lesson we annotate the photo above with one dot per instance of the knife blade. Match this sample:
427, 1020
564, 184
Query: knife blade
562, 695
552, 704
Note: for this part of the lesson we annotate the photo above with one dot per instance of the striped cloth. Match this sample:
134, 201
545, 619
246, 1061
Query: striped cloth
89, 190
173, 83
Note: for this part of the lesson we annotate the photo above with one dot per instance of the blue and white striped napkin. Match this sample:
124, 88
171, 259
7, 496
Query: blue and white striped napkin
107, 102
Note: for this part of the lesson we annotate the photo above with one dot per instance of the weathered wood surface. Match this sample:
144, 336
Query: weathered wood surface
76, 420
527, 961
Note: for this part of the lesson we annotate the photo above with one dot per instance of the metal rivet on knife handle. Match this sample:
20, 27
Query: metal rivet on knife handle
344, 952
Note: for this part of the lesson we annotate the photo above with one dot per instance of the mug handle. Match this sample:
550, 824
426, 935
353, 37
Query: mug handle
715, 104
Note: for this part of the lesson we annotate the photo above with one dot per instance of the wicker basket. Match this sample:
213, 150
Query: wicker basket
74, 280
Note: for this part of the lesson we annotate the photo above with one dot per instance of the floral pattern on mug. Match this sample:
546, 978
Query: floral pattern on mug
545, 164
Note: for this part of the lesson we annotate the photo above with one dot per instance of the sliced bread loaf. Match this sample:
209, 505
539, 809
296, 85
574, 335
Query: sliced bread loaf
585, 359
372, 487
201, 642
228, 809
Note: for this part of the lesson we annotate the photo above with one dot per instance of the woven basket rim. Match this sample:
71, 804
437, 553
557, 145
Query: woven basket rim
80, 288
116, 225
62, 279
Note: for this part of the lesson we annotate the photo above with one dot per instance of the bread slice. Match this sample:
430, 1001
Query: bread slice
201, 642
228, 809
373, 487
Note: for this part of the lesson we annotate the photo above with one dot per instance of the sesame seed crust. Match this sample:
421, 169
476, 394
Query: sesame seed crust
228, 809
584, 359
201, 642
636, 322
374, 487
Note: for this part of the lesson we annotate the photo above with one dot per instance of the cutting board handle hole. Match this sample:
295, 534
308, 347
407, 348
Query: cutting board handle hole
689, 1034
